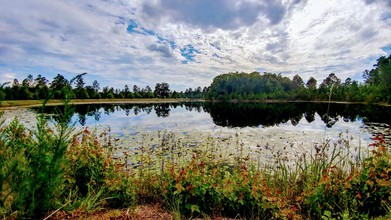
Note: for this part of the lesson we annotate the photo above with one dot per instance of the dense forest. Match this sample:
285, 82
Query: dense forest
255, 86
240, 86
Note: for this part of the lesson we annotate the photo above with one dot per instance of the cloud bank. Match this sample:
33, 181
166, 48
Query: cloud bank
187, 43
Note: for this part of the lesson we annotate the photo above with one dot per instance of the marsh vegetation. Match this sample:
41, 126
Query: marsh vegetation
55, 170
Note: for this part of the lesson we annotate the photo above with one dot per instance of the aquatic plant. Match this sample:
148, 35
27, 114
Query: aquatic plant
54, 169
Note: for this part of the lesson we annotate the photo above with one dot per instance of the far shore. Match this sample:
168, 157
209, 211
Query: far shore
9, 104
53, 102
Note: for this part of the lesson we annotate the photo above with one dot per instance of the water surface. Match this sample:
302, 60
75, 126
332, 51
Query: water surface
298, 119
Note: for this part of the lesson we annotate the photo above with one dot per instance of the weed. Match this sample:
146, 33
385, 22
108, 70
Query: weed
33, 166
53, 167
43, 169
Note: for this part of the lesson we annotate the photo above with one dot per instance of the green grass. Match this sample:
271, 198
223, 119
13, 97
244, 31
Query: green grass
56, 168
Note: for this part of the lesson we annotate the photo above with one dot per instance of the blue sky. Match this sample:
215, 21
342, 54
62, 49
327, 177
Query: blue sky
188, 43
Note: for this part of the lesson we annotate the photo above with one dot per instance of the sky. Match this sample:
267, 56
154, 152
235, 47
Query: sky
186, 43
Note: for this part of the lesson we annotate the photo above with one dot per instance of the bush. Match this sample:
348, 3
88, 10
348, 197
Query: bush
49, 168
33, 166
91, 168
370, 186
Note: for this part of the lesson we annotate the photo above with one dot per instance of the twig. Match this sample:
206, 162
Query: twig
55, 211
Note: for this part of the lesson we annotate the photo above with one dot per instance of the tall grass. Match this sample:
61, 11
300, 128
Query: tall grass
53, 166
206, 180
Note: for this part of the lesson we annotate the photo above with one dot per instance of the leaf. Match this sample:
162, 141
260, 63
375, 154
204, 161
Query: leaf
326, 215
178, 187
370, 183
193, 208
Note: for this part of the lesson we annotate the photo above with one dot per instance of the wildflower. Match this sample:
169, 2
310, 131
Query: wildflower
190, 189
358, 195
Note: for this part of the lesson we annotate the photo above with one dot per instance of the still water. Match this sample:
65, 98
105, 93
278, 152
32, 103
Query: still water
291, 120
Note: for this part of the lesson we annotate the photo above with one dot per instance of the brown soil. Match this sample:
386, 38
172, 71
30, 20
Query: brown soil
142, 212
152, 212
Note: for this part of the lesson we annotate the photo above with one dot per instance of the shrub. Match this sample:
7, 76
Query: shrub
32, 166
49, 168
91, 168
370, 186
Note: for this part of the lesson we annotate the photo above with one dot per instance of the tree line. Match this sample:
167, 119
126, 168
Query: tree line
240, 86
39, 88
256, 86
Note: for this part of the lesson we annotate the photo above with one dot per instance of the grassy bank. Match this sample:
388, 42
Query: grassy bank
59, 173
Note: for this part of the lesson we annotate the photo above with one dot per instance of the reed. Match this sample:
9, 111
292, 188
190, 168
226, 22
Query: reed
56, 168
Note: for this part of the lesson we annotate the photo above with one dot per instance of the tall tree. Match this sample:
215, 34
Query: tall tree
29, 81
41, 87
126, 91
348, 82
41, 81
24, 91
2, 92
136, 91
61, 87
95, 85
330, 80
14, 93
297, 82
95, 88
59, 82
79, 81
311, 83
80, 91
384, 71
148, 92
162, 90
15, 83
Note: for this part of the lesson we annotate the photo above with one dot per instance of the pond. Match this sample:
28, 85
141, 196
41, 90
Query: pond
260, 132
293, 122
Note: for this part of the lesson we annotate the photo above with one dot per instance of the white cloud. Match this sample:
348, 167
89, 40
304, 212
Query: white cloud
311, 38
7, 77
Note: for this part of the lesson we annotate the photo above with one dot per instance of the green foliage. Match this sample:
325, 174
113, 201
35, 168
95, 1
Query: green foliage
227, 86
162, 90
362, 192
48, 167
321, 185
380, 79
90, 169
371, 185
33, 167
203, 188
256, 86
91, 201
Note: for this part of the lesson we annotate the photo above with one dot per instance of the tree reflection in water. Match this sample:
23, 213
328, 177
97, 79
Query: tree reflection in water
252, 114
244, 114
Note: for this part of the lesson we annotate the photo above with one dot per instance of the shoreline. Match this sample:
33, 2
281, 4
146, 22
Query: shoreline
12, 104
